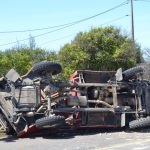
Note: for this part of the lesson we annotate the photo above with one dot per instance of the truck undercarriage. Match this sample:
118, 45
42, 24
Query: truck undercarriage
36, 101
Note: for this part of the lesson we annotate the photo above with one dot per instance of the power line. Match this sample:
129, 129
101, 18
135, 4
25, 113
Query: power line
114, 20
37, 29
61, 38
71, 24
75, 22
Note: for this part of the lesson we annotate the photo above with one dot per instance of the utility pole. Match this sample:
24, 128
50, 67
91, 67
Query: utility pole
132, 20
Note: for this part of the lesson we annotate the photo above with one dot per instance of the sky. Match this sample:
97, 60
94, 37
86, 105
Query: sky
20, 15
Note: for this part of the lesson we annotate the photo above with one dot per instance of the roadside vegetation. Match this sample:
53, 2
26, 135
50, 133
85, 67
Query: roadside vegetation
103, 48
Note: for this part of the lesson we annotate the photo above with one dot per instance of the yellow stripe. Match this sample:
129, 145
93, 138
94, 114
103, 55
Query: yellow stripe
123, 145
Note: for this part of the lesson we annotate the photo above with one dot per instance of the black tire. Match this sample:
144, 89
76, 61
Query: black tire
50, 121
44, 67
140, 123
128, 74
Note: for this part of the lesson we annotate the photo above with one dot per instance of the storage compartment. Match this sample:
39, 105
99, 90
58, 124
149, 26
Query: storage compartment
97, 77
27, 96
104, 119
88, 76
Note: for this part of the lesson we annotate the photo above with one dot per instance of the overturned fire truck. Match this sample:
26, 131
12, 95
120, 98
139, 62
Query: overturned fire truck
36, 101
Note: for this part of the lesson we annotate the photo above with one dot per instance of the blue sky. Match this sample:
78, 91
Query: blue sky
32, 14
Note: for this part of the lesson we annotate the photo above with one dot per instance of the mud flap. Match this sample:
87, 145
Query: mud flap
123, 120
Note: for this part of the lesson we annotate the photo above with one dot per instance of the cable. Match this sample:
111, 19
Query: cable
46, 28
61, 38
71, 24
115, 20
37, 29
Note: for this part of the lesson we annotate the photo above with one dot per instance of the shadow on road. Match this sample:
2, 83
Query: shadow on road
8, 139
72, 133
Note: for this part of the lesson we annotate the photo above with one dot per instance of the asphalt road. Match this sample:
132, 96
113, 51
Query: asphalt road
85, 140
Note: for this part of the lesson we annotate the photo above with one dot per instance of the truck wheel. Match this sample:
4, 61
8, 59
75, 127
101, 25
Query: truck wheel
44, 67
128, 74
50, 121
140, 123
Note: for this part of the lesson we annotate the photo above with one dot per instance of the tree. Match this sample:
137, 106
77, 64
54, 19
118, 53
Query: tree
22, 59
72, 58
99, 49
